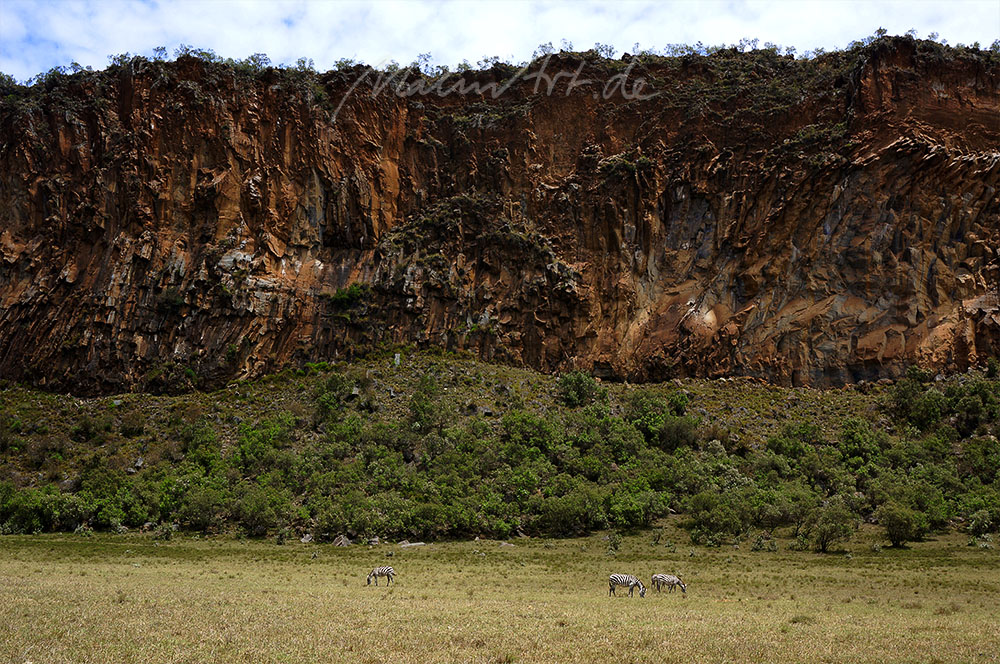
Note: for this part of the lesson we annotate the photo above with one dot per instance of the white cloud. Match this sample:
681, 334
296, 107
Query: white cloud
35, 36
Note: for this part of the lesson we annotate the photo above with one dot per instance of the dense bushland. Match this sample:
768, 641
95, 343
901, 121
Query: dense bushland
585, 459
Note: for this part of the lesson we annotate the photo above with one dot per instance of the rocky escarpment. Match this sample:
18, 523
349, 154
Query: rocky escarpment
816, 222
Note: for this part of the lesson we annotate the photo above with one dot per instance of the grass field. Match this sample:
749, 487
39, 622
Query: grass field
133, 599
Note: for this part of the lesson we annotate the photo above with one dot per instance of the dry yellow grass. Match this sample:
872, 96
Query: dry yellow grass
130, 599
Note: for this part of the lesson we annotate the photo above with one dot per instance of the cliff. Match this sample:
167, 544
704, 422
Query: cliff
824, 221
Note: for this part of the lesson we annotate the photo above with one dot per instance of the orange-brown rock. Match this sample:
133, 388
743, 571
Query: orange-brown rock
808, 222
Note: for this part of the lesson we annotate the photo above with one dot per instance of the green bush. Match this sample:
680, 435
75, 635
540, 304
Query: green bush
980, 456
133, 424
678, 432
770, 468
981, 510
259, 509
901, 523
90, 429
646, 412
799, 503
981, 522
633, 504
577, 512
860, 444
578, 389
712, 518
332, 395
918, 375
795, 440
259, 446
203, 508
832, 523
526, 435
431, 520
7, 492
677, 402
346, 298
8, 439
329, 519
969, 412
926, 410
113, 500
425, 472
969, 403
37, 510
200, 444
427, 411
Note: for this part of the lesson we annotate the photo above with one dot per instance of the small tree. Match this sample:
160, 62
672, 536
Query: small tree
260, 509
578, 389
646, 412
833, 523
901, 523
203, 508
980, 523
427, 412
332, 395
712, 518
614, 542
677, 432
677, 401
797, 503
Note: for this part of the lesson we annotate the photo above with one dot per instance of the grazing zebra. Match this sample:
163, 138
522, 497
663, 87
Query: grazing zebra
387, 572
625, 580
670, 581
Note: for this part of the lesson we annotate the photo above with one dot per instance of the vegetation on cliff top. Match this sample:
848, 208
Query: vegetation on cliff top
259, 63
443, 447
715, 79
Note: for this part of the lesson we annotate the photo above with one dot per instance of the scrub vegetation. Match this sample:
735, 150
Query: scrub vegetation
443, 446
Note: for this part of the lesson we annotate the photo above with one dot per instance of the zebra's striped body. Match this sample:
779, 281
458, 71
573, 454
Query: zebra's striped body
670, 581
625, 580
387, 572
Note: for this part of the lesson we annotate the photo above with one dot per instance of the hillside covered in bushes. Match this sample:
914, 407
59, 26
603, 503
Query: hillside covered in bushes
422, 445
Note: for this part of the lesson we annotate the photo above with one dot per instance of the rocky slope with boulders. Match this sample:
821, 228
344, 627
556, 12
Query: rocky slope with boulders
165, 225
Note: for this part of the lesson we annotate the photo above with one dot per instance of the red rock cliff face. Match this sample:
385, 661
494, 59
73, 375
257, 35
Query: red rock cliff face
806, 222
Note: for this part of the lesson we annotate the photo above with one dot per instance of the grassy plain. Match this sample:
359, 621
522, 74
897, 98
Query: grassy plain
134, 599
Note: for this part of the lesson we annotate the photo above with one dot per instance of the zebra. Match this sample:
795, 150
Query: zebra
670, 581
387, 572
625, 580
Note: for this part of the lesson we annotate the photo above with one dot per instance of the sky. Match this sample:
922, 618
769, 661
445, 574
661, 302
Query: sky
36, 35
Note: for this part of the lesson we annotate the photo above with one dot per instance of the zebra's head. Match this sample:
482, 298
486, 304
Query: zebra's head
642, 590
683, 585
369, 580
